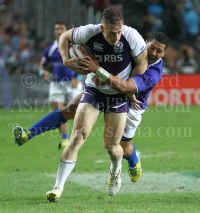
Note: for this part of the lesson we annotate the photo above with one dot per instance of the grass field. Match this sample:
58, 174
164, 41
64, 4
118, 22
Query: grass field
168, 139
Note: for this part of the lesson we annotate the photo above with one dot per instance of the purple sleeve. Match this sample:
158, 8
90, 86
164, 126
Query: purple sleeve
147, 80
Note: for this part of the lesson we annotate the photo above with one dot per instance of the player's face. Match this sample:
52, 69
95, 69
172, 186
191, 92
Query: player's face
155, 50
112, 33
58, 30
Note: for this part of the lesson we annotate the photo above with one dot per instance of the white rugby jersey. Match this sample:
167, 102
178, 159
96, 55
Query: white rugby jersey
117, 60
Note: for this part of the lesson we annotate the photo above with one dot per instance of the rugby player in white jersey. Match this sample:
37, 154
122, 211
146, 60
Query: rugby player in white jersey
118, 48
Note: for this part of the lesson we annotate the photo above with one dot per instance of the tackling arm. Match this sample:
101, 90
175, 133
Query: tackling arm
120, 85
129, 86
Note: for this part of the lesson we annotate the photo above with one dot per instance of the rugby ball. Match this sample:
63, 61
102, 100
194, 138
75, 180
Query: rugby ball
78, 50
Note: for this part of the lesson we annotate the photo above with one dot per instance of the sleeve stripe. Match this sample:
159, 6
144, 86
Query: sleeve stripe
135, 84
73, 35
140, 53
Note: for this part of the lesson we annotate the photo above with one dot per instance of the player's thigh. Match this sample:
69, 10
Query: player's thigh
133, 120
69, 111
114, 127
85, 117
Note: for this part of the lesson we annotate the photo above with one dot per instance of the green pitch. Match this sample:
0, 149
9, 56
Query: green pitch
168, 139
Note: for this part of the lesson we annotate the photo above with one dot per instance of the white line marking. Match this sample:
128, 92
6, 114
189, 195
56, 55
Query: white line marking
142, 156
156, 155
148, 183
101, 161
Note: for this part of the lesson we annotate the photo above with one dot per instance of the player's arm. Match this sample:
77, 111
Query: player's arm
64, 41
42, 72
129, 86
141, 63
118, 84
44, 61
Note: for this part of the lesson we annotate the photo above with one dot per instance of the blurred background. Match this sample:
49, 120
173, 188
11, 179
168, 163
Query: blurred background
26, 29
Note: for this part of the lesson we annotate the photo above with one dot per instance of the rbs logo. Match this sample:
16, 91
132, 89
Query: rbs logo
109, 58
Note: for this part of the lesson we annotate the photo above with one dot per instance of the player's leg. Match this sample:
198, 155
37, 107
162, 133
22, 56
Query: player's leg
69, 111
50, 122
114, 127
57, 101
63, 127
70, 94
133, 158
86, 116
60, 106
130, 153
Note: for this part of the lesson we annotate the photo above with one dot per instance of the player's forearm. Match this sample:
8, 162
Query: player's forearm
64, 41
114, 82
121, 85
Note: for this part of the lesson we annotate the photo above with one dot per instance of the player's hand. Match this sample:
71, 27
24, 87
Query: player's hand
74, 82
89, 64
98, 81
136, 105
45, 74
134, 102
74, 65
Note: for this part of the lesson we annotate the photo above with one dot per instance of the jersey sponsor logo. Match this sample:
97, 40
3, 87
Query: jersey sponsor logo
109, 58
98, 46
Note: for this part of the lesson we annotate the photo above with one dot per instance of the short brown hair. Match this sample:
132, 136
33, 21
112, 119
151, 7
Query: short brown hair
112, 16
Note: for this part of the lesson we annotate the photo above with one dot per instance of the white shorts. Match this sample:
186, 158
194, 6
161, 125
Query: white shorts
63, 92
133, 119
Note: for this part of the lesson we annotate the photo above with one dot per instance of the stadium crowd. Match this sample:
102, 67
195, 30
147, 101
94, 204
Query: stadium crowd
22, 48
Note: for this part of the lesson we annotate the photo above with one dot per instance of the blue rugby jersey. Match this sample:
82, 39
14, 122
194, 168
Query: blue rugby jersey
146, 82
117, 60
52, 54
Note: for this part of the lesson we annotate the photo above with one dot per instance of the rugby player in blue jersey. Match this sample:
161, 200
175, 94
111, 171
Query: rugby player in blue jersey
65, 85
140, 85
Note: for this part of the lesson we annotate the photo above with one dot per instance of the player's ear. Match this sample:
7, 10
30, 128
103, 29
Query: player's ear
164, 53
146, 41
102, 28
